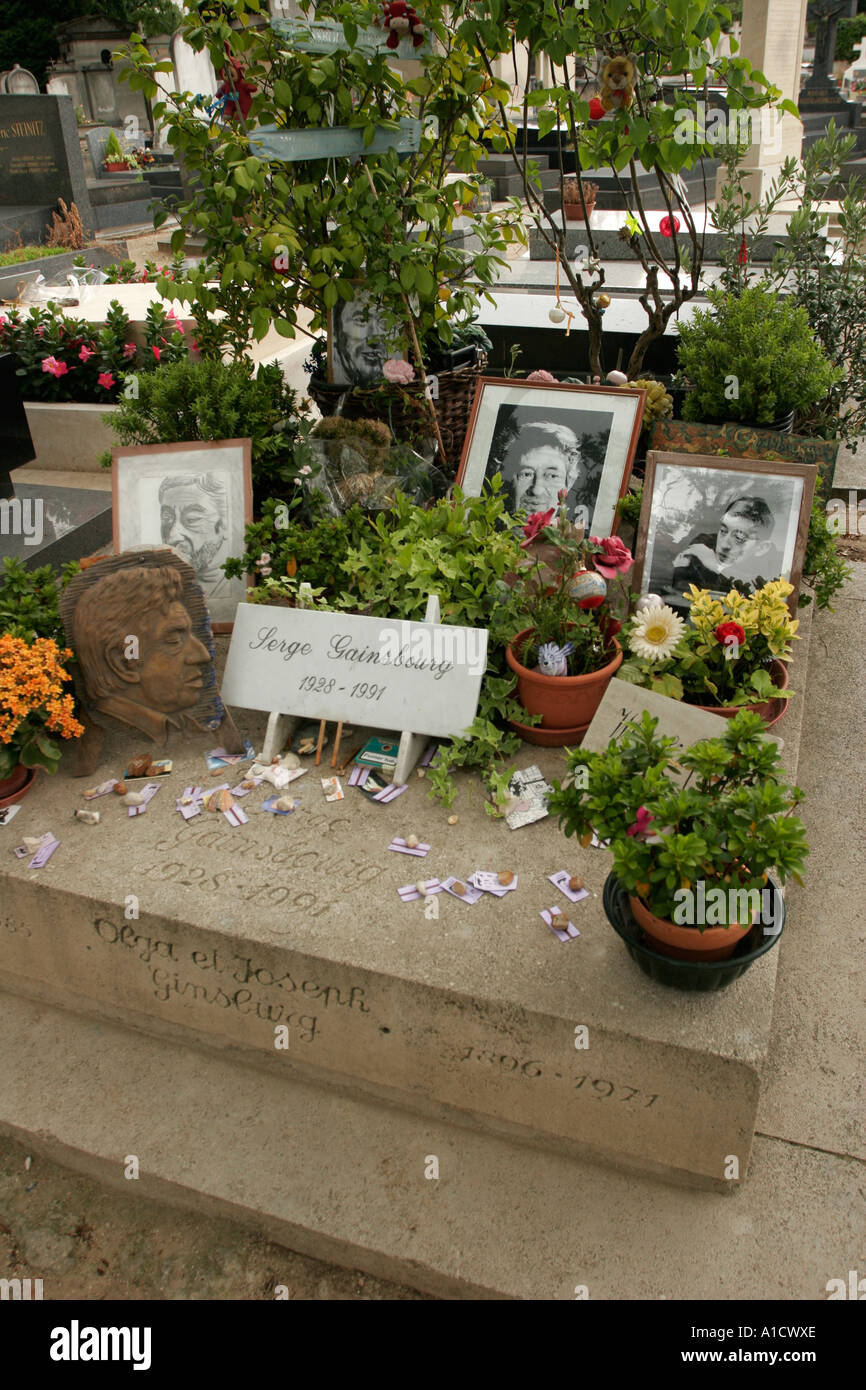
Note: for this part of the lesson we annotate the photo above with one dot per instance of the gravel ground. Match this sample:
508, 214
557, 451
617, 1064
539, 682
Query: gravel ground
92, 1243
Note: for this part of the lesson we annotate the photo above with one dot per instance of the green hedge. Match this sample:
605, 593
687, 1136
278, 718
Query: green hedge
849, 32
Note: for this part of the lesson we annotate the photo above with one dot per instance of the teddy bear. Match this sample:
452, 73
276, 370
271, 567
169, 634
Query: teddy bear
617, 83
401, 20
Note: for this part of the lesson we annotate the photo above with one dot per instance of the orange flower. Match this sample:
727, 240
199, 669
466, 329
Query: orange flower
32, 678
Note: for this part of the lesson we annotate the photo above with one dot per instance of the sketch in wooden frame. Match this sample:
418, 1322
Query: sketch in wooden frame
543, 437
196, 498
360, 341
721, 523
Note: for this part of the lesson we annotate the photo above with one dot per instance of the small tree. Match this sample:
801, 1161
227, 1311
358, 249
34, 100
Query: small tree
279, 237
674, 39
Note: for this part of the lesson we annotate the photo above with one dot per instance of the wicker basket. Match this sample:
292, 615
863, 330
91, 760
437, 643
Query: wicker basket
404, 409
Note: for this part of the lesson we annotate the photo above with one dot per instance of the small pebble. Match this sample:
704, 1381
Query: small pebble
505, 879
460, 888
422, 889
560, 921
422, 772
248, 785
89, 817
452, 820
411, 841
133, 799
120, 788
575, 884
187, 800
284, 803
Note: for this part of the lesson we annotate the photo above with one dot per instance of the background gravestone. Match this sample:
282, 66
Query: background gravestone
40, 161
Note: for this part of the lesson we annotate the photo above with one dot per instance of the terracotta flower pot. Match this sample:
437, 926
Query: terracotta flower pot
769, 710
573, 208
566, 703
16, 786
687, 943
116, 166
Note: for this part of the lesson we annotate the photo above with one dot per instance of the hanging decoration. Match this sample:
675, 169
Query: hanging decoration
235, 91
402, 21
617, 83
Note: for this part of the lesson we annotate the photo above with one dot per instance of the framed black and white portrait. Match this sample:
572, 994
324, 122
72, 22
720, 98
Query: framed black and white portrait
543, 438
722, 524
196, 498
360, 341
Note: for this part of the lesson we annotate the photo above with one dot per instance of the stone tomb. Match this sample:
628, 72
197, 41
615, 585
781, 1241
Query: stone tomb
40, 161
296, 921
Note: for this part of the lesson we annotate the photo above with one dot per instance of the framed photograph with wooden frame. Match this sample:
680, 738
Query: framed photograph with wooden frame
360, 341
543, 437
721, 523
196, 498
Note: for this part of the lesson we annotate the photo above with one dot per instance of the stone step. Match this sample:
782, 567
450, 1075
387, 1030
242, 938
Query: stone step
344, 1179
297, 921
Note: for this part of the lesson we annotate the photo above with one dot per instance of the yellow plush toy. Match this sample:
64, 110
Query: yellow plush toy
617, 83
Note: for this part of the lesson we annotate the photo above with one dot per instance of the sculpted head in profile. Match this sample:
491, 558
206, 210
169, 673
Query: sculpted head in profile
141, 650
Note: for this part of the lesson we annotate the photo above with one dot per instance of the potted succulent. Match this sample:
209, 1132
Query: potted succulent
730, 655
752, 358
571, 200
35, 702
567, 653
694, 857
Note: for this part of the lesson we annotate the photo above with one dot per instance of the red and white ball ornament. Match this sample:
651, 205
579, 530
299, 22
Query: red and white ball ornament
588, 589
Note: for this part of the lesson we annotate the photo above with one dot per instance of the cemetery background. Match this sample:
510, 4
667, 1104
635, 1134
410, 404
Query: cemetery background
793, 1129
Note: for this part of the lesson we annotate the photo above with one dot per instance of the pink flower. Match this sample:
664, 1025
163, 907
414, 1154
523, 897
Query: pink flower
172, 317
541, 375
86, 353
617, 558
535, 523
40, 330
157, 352
666, 228
129, 350
105, 379
397, 371
306, 470
642, 822
57, 369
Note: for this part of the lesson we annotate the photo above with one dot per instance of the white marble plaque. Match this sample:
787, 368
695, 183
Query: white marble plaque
370, 672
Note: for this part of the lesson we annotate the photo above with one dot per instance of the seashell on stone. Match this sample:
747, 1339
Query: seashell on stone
134, 799
411, 841
89, 817
506, 878
120, 788
284, 803
422, 889
220, 801
575, 884
452, 820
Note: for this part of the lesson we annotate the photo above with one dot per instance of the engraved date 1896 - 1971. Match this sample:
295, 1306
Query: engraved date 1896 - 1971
598, 1088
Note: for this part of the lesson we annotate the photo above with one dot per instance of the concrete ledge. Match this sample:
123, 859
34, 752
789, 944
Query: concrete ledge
344, 1180
296, 921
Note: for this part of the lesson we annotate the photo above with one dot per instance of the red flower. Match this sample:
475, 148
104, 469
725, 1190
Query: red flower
535, 523
617, 558
157, 352
667, 228
105, 379
727, 633
744, 254
641, 823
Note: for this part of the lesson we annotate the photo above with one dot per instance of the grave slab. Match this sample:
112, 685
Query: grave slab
296, 920
342, 1178
40, 161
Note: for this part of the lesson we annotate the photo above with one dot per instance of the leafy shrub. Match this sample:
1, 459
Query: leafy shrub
30, 599
757, 344
192, 400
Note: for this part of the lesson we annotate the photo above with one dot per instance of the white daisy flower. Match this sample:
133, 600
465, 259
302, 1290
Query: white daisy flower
656, 633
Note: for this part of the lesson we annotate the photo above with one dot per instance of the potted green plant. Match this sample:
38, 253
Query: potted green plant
114, 159
752, 357
731, 654
567, 652
35, 703
694, 857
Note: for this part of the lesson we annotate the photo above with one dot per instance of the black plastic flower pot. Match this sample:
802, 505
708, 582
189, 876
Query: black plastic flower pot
702, 976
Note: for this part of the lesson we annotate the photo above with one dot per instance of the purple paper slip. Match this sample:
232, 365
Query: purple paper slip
102, 790
235, 816
148, 791
402, 848
42, 856
564, 934
240, 790
470, 894
359, 776
391, 793
429, 755
195, 807
488, 882
560, 881
410, 893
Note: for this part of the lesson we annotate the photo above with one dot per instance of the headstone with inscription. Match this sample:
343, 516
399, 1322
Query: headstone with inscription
40, 161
